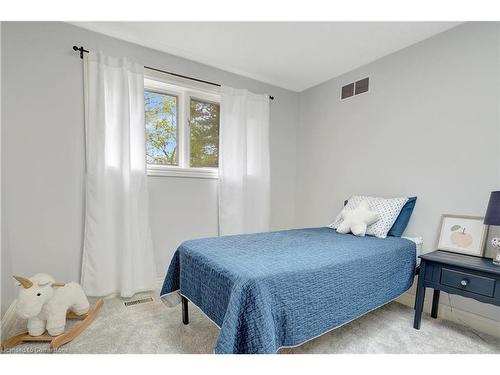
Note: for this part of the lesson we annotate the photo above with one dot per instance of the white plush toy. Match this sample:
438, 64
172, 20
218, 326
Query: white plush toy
45, 303
357, 220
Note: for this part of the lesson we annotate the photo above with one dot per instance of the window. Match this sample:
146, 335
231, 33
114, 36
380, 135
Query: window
204, 126
161, 128
182, 130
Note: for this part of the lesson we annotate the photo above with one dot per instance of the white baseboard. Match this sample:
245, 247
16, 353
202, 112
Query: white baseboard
8, 320
471, 320
159, 281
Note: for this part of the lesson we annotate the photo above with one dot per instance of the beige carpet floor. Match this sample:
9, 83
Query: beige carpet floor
154, 328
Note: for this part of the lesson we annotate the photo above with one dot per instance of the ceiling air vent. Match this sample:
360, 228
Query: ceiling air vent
355, 88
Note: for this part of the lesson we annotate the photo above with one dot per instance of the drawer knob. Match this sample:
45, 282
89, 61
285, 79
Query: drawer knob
464, 282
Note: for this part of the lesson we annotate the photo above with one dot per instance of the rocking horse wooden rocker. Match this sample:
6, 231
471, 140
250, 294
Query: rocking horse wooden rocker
47, 304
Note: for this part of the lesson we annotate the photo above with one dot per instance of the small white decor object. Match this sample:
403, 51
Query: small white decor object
357, 220
462, 234
388, 210
492, 217
495, 242
45, 303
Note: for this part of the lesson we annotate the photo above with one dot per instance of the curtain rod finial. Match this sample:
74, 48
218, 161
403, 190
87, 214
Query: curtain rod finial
81, 49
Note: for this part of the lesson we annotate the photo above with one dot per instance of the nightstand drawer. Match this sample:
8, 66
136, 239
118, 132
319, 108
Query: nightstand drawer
467, 281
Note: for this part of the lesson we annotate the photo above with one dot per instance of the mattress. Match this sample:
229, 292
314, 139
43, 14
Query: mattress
271, 290
419, 243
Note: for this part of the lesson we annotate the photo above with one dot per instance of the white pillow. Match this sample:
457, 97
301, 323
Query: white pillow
388, 210
357, 220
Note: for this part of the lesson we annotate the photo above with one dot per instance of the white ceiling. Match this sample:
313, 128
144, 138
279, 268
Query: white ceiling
292, 55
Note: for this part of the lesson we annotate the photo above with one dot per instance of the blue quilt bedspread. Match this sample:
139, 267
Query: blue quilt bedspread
276, 289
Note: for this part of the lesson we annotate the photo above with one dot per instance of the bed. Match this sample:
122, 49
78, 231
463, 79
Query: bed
280, 289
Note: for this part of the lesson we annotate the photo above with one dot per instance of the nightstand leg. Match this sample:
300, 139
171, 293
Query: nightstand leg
419, 298
435, 303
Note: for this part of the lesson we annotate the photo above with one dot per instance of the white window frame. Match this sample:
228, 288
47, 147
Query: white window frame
184, 93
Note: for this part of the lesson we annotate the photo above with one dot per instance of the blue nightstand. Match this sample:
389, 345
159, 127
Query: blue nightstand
465, 275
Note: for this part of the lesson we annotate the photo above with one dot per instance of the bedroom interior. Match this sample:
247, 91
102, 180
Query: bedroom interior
208, 188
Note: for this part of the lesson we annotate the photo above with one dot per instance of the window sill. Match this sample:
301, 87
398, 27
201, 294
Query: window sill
170, 171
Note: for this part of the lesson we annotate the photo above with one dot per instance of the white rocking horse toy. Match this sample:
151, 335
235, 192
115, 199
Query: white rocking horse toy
46, 304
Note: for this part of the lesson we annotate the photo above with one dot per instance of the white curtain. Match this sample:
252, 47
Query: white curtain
118, 253
244, 170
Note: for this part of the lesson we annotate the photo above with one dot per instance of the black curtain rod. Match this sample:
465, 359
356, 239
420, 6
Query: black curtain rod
83, 50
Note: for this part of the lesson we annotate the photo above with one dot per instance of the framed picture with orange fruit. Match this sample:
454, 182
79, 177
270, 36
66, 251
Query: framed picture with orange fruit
463, 234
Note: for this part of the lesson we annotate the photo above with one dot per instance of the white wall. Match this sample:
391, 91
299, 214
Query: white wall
43, 152
7, 294
428, 127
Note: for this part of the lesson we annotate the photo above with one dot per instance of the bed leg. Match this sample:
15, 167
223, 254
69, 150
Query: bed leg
185, 310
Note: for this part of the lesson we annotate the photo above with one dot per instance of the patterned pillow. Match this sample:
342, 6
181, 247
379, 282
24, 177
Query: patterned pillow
388, 210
